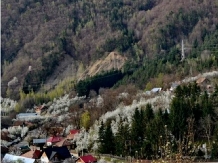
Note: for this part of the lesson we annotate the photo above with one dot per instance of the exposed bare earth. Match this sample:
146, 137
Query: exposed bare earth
113, 61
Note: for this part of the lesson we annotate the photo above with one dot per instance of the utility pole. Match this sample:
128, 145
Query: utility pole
183, 51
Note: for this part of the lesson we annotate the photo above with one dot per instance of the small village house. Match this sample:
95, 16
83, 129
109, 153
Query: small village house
53, 140
87, 159
52, 154
203, 83
65, 142
156, 90
72, 133
33, 153
39, 143
40, 109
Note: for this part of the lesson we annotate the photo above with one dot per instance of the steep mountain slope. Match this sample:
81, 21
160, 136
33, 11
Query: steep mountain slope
47, 35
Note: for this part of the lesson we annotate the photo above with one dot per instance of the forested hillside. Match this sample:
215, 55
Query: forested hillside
43, 36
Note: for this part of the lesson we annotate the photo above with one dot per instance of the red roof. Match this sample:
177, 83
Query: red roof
88, 159
54, 139
36, 154
74, 131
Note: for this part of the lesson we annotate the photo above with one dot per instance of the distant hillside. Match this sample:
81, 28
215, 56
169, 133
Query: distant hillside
58, 39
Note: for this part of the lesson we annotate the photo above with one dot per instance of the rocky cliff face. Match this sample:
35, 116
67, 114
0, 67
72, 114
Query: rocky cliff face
76, 70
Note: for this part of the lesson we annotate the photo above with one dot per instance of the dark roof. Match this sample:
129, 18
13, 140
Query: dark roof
22, 144
25, 148
88, 158
63, 152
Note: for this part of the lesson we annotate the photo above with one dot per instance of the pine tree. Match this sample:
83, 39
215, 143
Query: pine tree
149, 113
137, 129
109, 140
206, 105
101, 134
106, 139
122, 139
178, 116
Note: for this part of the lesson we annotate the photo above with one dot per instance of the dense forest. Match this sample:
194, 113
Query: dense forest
38, 36
191, 120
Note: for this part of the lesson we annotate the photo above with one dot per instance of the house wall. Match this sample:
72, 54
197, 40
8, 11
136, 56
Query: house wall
48, 143
80, 161
44, 158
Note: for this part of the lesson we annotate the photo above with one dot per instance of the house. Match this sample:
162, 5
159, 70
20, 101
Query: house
27, 116
39, 143
65, 142
156, 90
53, 140
52, 154
203, 82
35, 154
72, 134
87, 159
70, 144
12, 158
41, 109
